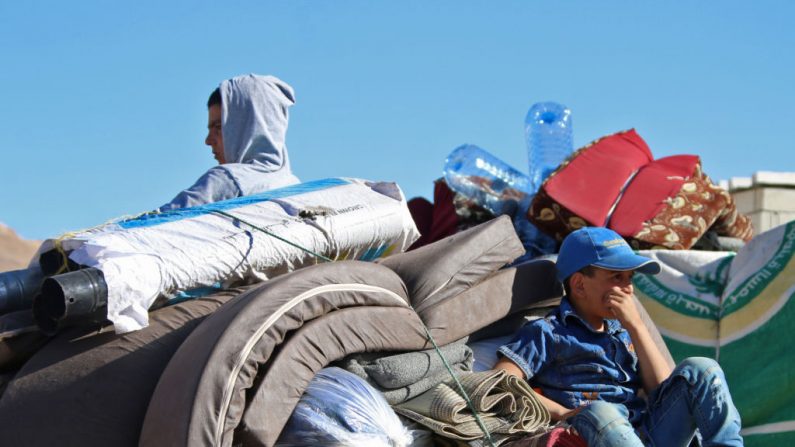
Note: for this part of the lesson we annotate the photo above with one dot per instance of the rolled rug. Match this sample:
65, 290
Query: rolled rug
505, 404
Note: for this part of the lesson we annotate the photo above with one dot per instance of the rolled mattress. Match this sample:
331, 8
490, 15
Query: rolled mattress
242, 371
156, 254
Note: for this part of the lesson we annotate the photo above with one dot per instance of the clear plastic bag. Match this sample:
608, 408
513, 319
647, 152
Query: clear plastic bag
340, 409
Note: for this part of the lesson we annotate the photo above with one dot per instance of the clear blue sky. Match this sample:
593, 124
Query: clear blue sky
103, 103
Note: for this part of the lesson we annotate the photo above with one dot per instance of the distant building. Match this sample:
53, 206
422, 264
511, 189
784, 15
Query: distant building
767, 198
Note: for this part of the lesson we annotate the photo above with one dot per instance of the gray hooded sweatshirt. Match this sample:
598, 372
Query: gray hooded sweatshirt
254, 123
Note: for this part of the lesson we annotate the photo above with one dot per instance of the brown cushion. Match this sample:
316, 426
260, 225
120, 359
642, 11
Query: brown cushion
504, 293
20, 338
451, 265
316, 345
91, 388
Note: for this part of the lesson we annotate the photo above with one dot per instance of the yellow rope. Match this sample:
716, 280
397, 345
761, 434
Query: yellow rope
58, 241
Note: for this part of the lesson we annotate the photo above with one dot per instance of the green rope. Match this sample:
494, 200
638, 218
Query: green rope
427, 332
460, 387
231, 216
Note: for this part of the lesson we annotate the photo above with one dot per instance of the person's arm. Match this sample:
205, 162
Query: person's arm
214, 185
557, 412
652, 364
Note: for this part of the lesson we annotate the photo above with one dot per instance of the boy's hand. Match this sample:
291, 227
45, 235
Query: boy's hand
572, 413
653, 367
622, 305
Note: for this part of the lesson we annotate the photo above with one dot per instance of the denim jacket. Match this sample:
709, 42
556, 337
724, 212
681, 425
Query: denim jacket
573, 364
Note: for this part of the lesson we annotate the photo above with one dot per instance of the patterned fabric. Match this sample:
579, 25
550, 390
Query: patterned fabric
681, 221
699, 205
553, 218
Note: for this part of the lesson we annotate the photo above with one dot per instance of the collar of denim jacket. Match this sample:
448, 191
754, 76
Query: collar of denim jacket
567, 312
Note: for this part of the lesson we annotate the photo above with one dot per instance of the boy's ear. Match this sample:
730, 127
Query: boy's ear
576, 283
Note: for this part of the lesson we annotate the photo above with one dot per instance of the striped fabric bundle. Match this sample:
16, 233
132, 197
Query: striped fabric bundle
506, 405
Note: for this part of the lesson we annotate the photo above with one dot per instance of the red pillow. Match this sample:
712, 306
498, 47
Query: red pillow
615, 182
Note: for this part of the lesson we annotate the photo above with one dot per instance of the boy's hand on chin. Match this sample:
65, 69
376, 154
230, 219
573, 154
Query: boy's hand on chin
622, 305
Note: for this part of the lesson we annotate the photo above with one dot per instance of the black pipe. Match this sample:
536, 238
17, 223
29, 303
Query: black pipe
79, 297
18, 288
52, 261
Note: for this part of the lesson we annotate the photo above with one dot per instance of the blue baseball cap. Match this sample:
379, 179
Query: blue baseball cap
600, 247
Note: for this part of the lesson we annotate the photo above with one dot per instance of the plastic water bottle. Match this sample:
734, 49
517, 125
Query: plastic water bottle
501, 189
487, 180
548, 130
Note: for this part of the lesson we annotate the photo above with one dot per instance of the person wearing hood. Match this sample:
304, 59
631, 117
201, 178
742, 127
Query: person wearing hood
247, 126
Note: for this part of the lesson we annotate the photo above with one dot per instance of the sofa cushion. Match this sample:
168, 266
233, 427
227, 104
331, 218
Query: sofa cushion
615, 182
447, 267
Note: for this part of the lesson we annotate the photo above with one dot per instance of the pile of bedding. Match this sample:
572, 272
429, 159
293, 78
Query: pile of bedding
231, 367
226, 370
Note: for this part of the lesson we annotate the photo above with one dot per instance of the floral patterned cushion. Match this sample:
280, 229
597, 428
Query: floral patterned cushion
667, 203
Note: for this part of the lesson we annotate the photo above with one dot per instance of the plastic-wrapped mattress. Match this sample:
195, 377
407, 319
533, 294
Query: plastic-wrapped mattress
156, 254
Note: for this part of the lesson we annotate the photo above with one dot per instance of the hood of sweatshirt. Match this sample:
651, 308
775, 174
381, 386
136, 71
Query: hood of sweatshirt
254, 120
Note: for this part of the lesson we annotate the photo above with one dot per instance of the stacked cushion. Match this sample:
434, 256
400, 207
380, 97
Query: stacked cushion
615, 182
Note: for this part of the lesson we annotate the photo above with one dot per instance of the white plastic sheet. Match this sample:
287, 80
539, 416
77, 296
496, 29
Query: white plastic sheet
146, 257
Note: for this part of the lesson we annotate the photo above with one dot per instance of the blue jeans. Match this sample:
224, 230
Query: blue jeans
695, 396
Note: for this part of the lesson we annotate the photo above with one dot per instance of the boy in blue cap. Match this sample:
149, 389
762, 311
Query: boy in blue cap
592, 356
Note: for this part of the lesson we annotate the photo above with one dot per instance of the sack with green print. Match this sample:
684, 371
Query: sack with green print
737, 310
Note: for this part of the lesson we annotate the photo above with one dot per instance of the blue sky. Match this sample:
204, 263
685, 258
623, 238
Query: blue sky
103, 104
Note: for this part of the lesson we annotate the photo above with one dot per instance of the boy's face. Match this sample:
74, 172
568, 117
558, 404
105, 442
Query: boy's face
215, 137
592, 291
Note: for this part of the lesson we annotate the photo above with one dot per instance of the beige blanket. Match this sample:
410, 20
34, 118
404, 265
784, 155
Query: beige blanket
506, 404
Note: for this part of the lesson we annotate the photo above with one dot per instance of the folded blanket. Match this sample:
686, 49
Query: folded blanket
505, 404
401, 377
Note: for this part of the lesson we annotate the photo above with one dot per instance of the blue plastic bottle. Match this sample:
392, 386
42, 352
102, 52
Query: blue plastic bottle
548, 130
498, 187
